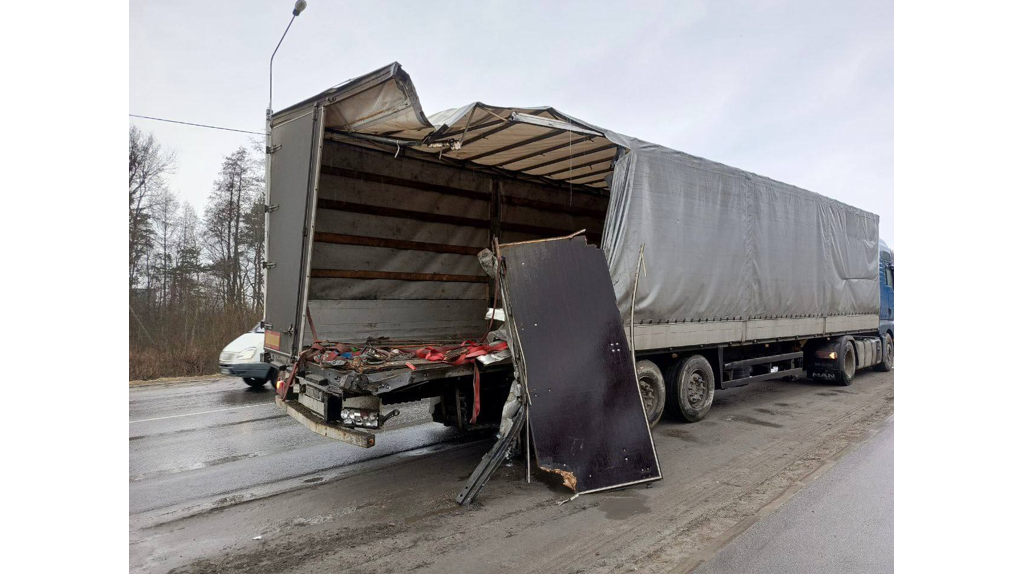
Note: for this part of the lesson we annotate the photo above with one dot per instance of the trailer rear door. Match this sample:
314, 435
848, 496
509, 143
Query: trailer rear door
291, 197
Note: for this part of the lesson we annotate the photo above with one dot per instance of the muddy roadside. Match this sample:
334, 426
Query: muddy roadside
757, 443
175, 380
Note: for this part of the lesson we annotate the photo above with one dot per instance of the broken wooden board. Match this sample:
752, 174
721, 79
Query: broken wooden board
587, 418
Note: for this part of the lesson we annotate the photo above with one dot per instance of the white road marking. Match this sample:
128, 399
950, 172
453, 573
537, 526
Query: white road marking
202, 413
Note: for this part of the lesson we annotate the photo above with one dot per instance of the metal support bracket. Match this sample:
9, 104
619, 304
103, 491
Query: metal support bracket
492, 460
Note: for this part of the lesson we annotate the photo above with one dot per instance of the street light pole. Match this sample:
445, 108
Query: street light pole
300, 5
270, 101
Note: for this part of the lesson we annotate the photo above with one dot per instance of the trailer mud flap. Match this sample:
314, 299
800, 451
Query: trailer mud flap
586, 415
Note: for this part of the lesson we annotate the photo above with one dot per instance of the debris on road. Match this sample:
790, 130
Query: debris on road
511, 426
570, 499
588, 424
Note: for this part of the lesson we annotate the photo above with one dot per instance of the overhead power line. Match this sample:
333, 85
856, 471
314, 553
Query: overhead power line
195, 125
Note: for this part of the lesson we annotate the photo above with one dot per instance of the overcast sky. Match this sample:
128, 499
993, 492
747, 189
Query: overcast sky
800, 91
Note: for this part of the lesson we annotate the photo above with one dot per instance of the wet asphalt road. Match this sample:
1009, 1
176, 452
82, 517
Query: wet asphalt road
841, 522
221, 481
191, 442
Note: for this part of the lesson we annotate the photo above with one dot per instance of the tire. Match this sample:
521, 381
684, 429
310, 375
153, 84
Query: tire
691, 388
652, 390
254, 382
887, 355
847, 363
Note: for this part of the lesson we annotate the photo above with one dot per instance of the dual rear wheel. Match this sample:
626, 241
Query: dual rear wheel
688, 391
652, 390
691, 388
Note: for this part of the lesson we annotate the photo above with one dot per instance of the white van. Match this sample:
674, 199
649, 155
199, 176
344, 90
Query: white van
243, 357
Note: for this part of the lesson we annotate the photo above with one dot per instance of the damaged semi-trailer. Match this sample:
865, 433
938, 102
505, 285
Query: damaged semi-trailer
384, 261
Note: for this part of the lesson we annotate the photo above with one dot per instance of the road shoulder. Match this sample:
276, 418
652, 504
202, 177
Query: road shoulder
174, 380
838, 518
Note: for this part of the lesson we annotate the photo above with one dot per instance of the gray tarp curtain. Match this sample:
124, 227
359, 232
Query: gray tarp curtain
723, 244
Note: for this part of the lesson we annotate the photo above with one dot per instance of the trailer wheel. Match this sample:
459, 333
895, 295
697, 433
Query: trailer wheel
887, 355
652, 390
848, 364
254, 382
692, 388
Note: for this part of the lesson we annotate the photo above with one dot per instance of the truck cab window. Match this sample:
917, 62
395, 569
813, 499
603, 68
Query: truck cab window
889, 276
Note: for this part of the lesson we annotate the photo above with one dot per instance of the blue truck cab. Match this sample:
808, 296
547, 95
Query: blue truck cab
885, 284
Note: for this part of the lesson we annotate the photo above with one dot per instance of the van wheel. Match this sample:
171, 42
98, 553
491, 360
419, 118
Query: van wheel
848, 364
887, 355
652, 390
254, 382
691, 388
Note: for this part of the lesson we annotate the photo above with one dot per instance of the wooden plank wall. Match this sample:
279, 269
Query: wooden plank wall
396, 239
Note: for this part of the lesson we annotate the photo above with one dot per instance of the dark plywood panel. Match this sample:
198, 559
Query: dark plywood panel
586, 416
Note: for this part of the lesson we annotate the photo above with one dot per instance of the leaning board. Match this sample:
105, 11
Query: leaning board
586, 415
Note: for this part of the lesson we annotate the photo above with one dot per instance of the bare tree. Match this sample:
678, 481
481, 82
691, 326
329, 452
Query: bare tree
147, 164
188, 258
164, 219
252, 239
202, 275
238, 184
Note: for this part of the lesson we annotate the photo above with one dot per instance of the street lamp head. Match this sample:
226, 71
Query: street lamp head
299, 7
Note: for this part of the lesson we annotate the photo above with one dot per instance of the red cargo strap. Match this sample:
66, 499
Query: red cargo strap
472, 351
476, 394
309, 318
282, 390
430, 354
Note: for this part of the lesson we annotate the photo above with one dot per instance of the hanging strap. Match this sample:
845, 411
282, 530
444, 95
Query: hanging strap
476, 393
312, 328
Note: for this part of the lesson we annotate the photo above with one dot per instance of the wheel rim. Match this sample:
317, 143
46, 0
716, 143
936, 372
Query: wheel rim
697, 390
889, 354
647, 394
849, 363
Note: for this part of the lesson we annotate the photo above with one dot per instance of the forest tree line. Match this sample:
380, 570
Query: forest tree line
194, 279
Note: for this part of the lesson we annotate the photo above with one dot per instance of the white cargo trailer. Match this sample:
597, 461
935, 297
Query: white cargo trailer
376, 215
